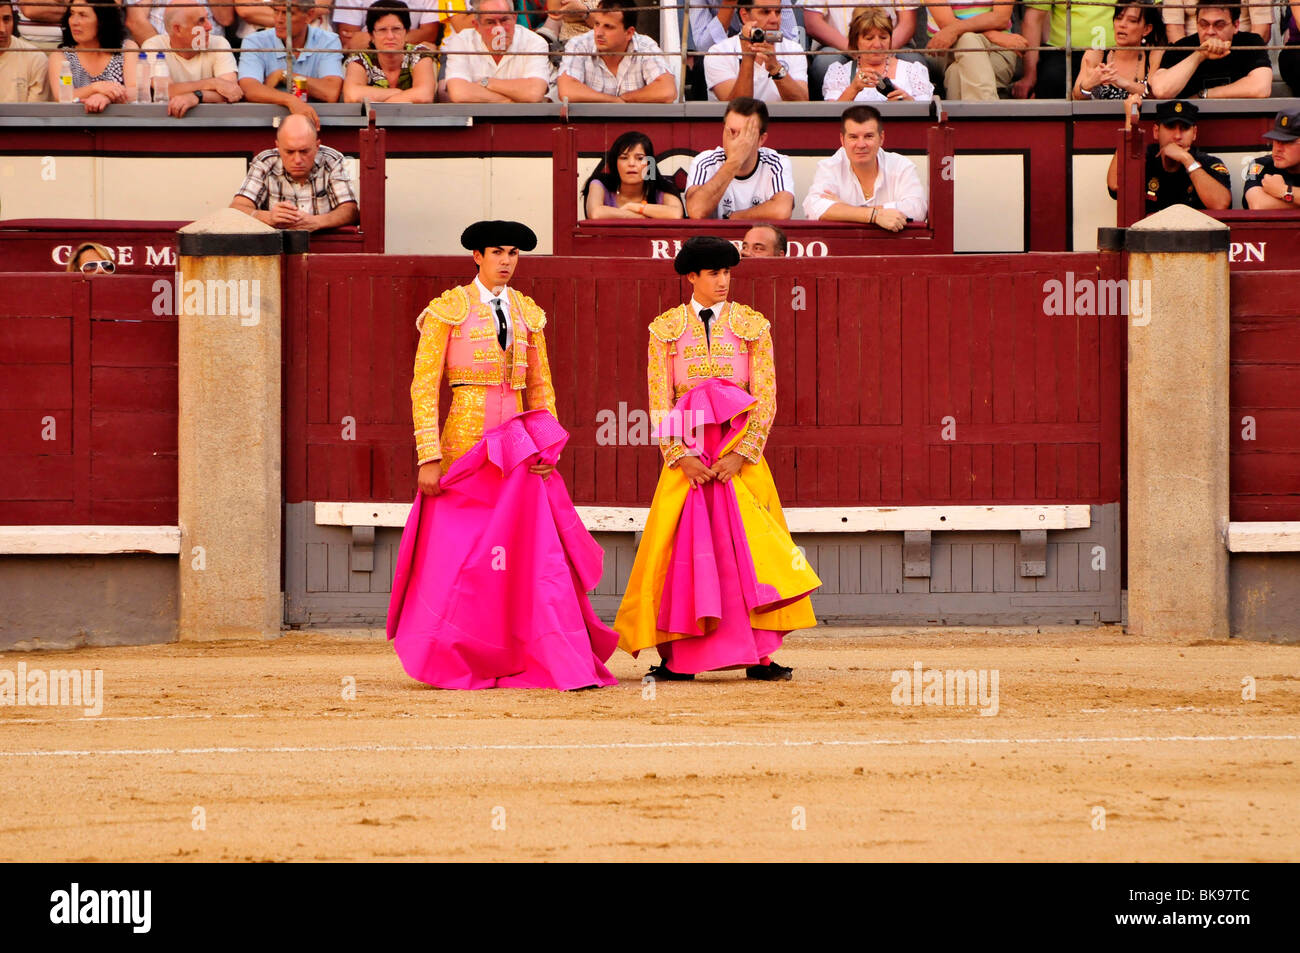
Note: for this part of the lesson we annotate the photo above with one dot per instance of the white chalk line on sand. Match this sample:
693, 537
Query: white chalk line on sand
640, 745
402, 714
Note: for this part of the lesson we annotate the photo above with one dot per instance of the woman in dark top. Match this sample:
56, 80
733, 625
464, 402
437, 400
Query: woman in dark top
98, 78
1124, 71
628, 184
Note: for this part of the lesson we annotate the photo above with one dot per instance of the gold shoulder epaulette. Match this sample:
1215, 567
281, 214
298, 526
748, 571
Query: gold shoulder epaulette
451, 307
668, 327
534, 317
746, 323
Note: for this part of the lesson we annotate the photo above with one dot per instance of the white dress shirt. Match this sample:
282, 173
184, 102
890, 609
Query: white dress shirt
475, 68
487, 297
723, 64
897, 186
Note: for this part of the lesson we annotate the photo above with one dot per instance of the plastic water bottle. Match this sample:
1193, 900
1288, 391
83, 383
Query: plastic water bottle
142, 79
161, 80
65, 83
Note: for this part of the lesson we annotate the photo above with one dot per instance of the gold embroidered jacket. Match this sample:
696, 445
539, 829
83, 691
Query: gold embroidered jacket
681, 356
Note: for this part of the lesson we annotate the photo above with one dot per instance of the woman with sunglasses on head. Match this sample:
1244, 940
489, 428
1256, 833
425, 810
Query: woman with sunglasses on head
94, 36
92, 258
1123, 72
874, 73
628, 183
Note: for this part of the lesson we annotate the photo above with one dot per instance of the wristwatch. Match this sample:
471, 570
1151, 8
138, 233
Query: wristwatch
1289, 197
484, 81
779, 75
1193, 167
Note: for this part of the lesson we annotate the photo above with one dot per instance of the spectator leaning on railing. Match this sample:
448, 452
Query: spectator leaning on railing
263, 62
98, 78
973, 45
875, 73
1124, 71
1176, 172
299, 183
628, 184
1086, 25
767, 70
742, 178
498, 61
23, 68
393, 70
1180, 18
611, 76
827, 23
202, 67
1273, 181
1219, 62
862, 182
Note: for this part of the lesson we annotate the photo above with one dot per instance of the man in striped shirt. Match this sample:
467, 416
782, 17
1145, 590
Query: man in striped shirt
741, 178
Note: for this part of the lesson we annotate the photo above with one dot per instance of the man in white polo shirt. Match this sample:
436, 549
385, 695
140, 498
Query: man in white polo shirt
204, 68
741, 178
498, 61
864, 183
773, 69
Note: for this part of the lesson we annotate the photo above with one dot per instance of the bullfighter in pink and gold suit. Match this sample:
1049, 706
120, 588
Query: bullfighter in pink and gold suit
491, 582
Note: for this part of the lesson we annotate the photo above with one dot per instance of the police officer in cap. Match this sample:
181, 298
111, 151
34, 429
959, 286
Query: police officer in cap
1273, 181
1177, 173
486, 339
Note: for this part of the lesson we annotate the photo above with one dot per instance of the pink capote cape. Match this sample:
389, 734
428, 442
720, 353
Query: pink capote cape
492, 574
712, 589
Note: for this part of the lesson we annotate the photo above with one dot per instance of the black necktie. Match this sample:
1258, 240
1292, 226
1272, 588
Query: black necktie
706, 315
501, 322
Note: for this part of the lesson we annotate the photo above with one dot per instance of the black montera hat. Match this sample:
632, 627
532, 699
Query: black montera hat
705, 252
1176, 111
498, 234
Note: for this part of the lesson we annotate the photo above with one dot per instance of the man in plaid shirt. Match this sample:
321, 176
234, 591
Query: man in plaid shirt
611, 77
299, 183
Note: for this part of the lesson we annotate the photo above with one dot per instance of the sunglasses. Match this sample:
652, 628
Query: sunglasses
101, 265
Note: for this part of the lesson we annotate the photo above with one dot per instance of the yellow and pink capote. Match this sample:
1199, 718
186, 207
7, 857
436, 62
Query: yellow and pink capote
717, 581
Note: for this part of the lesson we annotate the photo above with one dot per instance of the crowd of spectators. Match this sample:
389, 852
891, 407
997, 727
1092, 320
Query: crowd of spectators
744, 52
473, 51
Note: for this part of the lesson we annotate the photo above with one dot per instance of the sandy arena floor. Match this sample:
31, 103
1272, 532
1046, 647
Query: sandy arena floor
255, 743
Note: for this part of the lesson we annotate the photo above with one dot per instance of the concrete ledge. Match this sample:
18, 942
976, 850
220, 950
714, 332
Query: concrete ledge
1263, 537
88, 540
65, 602
811, 519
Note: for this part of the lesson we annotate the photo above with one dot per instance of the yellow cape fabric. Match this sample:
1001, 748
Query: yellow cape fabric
777, 561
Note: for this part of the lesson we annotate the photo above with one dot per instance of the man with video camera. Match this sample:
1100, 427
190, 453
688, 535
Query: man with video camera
757, 62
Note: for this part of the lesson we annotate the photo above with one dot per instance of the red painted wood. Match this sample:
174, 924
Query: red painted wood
1264, 385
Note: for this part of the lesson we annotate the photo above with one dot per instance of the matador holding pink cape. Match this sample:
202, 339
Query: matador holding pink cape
717, 582
492, 575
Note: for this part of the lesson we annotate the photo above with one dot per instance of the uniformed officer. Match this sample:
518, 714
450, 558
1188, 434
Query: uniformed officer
1273, 181
1177, 173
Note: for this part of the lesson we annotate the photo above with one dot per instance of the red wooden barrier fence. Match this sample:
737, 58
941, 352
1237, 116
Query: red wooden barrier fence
87, 402
869, 370
1265, 397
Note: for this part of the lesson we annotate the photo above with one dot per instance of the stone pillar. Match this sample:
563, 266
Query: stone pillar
228, 306
1178, 425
